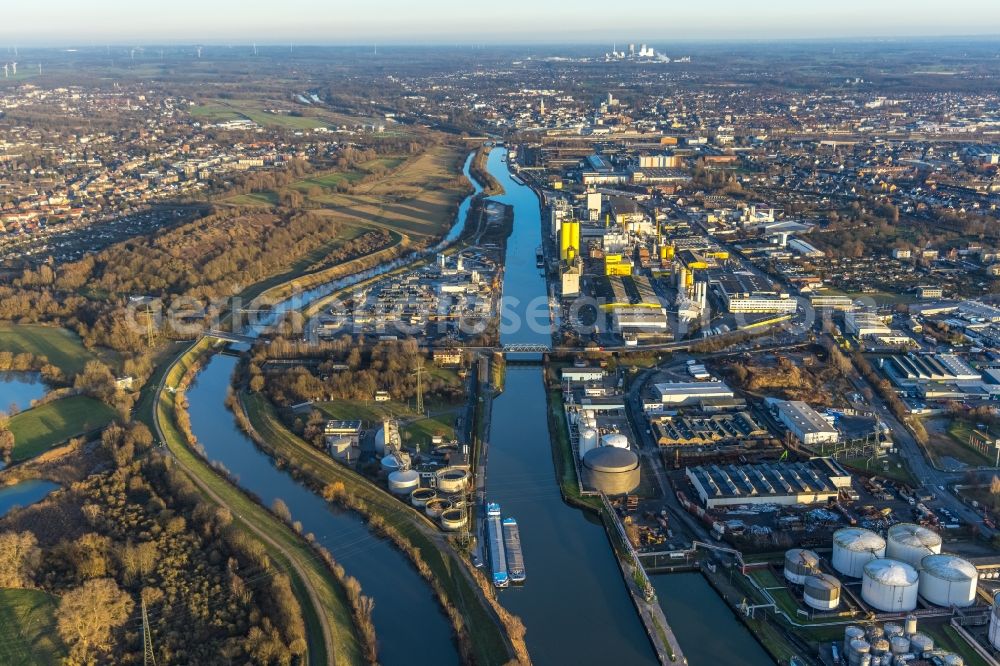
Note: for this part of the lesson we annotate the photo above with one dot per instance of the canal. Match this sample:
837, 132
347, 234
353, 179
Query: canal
574, 603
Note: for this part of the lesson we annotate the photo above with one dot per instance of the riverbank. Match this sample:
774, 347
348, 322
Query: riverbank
329, 622
486, 634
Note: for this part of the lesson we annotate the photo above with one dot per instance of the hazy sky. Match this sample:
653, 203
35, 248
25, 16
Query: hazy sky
451, 21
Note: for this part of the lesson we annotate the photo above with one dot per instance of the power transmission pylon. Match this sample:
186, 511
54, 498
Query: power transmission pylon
147, 639
420, 389
150, 332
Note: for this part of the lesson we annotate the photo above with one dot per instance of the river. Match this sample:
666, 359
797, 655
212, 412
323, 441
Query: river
408, 621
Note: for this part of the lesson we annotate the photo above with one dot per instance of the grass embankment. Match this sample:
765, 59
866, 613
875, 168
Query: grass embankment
26, 621
61, 347
485, 639
42, 427
288, 550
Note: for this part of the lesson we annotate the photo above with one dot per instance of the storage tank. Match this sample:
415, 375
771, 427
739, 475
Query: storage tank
889, 585
899, 645
891, 629
615, 439
390, 463
403, 482
800, 564
380, 441
952, 659
611, 470
920, 643
421, 496
852, 633
453, 519
341, 448
994, 631
821, 592
911, 543
880, 647
948, 580
853, 547
910, 626
858, 650
435, 507
452, 480
588, 441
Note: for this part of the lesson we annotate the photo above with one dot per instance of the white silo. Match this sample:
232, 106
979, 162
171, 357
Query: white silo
853, 547
899, 645
615, 439
588, 441
920, 643
890, 585
948, 580
852, 633
800, 564
821, 592
911, 543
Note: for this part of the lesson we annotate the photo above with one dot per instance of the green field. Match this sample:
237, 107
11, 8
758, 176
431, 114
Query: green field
41, 428
215, 112
27, 629
415, 432
63, 348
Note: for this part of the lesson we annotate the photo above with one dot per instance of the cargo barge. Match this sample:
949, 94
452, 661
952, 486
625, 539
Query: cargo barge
512, 544
494, 535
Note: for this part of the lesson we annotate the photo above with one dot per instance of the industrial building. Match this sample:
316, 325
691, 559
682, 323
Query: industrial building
676, 394
805, 423
912, 369
714, 429
865, 324
748, 293
818, 480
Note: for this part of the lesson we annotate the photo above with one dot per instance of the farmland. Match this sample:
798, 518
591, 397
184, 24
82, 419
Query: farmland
27, 628
41, 428
61, 347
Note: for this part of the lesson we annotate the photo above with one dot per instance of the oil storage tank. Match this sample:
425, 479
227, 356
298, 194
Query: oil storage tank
588, 441
800, 564
853, 547
611, 470
821, 592
948, 580
890, 585
994, 631
911, 543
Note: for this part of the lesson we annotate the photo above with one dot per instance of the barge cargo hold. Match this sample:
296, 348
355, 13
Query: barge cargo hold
498, 558
512, 544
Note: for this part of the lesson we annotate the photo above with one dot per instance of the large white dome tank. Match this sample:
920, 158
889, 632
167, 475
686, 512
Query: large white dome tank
911, 543
853, 547
890, 585
615, 439
948, 580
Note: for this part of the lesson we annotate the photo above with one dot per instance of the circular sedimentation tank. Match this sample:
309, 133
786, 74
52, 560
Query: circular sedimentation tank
822, 592
889, 585
436, 507
853, 548
403, 482
611, 470
453, 519
390, 463
452, 480
948, 580
910, 543
421, 496
800, 564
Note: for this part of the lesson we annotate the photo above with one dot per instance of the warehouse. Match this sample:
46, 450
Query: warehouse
710, 429
912, 368
806, 423
818, 480
687, 393
747, 292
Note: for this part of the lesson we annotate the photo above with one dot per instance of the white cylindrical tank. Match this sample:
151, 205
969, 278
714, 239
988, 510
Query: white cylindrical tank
948, 580
853, 547
390, 463
800, 564
403, 482
452, 480
890, 585
911, 543
421, 496
899, 645
858, 650
821, 592
615, 439
588, 441
952, 659
994, 632
910, 627
852, 633
920, 643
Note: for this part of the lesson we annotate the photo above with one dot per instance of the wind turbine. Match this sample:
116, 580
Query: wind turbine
199, 52
6, 71
13, 67
255, 48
